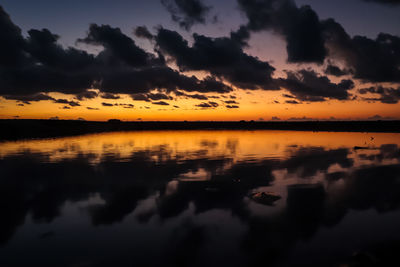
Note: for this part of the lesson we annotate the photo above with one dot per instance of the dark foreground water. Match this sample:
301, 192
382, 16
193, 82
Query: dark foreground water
183, 198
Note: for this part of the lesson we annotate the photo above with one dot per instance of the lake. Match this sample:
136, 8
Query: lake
186, 198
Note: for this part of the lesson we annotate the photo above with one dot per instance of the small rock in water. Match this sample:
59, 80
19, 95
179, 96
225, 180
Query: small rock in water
266, 198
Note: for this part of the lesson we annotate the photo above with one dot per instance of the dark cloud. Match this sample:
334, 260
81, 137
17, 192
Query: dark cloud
12, 42
143, 32
38, 64
32, 79
288, 96
335, 71
127, 105
300, 26
66, 107
105, 104
29, 98
232, 106
117, 45
386, 2
159, 96
310, 39
129, 81
90, 108
187, 12
211, 84
209, 104
241, 36
162, 103
387, 95
292, 102
151, 96
374, 60
140, 97
194, 96
42, 45
197, 96
89, 94
65, 101
223, 57
110, 96
307, 85
231, 102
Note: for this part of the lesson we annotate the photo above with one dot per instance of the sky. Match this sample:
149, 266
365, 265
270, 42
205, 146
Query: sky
175, 60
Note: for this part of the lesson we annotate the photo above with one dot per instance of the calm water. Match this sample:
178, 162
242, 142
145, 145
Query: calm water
183, 198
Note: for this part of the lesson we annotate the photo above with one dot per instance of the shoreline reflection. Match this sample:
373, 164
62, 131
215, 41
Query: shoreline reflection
184, 197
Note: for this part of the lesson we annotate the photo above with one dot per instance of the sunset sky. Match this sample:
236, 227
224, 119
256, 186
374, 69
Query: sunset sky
176, 60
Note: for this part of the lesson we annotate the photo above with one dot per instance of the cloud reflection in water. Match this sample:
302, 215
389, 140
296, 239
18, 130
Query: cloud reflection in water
182, 198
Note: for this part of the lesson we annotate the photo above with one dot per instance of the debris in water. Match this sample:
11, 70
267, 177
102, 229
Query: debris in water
266, 198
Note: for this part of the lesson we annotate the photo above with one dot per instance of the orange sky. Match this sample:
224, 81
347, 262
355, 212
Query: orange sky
253, 106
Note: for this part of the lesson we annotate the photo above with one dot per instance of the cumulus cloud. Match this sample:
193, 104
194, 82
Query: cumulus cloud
386, 2
105, 104
129, 81
151, 96
29, 98
161, 103
11, 46
89, 94
117, 45
231, 102
310, 39
187, 12
300, 26
209, 104
127, 105
335, 71
143, 32
372, 60
232, 106
110, 96
307, 85
43, 46
387, 95
193, 96
292, 102
65, 101
38, 64
223, 57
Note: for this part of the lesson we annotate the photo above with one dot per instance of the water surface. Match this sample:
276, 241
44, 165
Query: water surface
183, 198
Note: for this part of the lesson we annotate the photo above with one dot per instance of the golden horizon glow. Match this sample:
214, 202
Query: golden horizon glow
184, 145
253, 105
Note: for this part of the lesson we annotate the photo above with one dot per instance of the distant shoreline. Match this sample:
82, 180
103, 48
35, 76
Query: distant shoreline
27, 129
